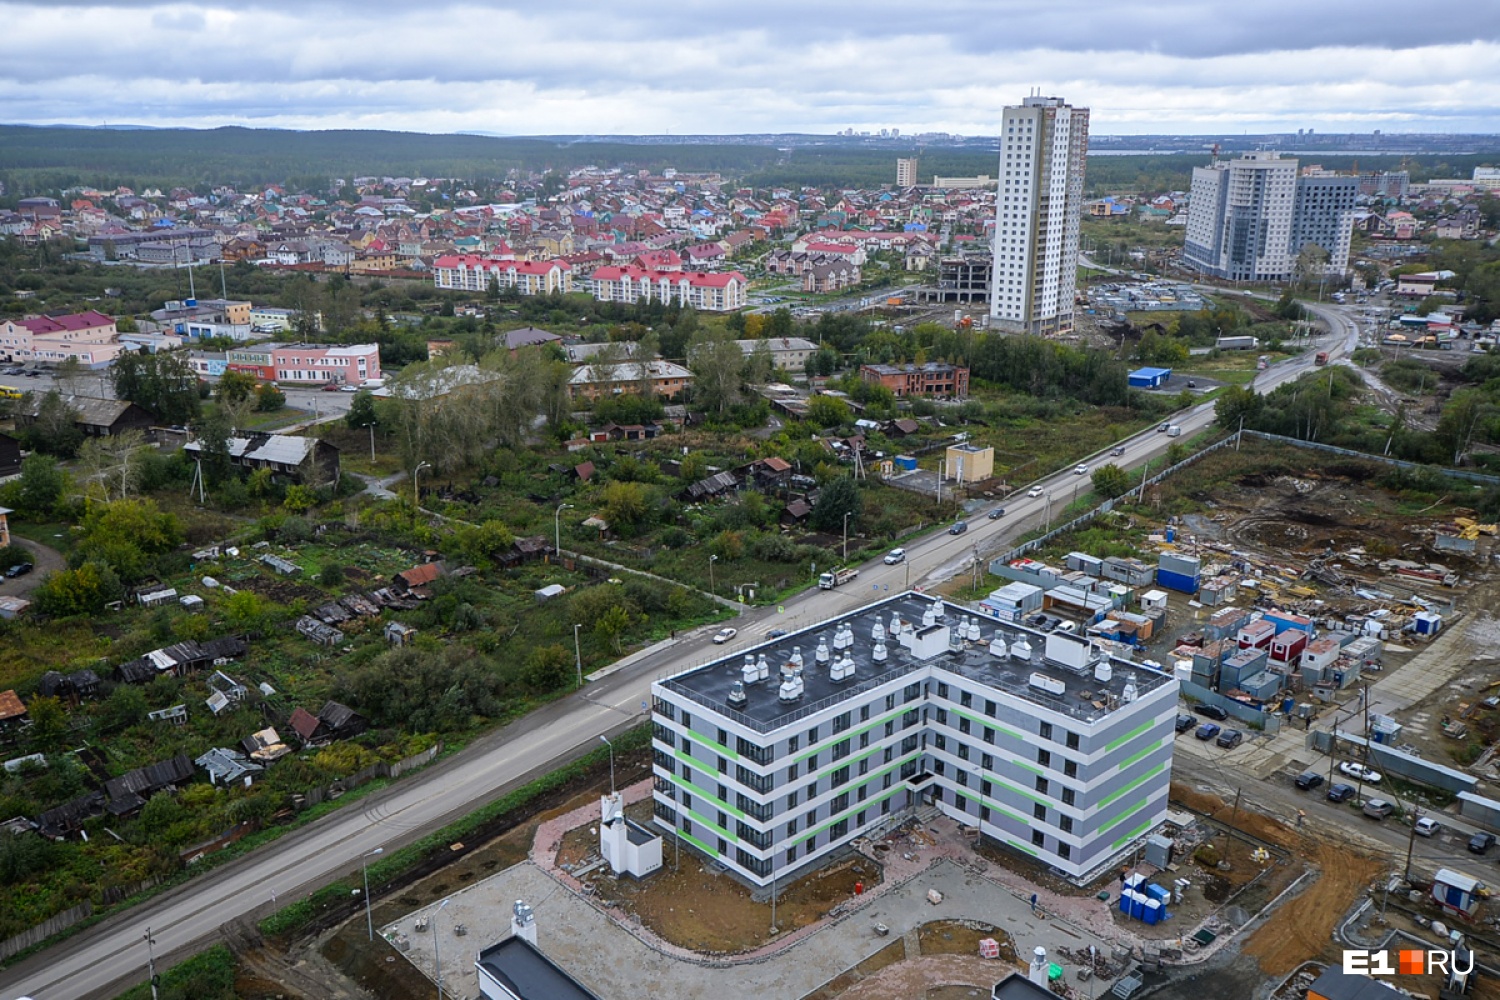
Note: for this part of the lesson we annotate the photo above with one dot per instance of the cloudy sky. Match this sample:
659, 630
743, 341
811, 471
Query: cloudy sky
695, 66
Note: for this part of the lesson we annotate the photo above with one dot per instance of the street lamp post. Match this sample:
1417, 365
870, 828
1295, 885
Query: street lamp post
711, 560
578, 654
846, 535
416, 494
557, 528
1049, 511
606, 742
365, 867
437, 955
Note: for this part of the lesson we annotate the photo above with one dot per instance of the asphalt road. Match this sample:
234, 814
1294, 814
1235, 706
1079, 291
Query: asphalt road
104, 959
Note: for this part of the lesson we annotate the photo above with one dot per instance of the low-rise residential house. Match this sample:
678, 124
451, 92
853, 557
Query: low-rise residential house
10, 464
90, 338
289, 457
830, 277
528, 336
12, 711
97, 417
930, 379
591, 382
228, 767
416, 579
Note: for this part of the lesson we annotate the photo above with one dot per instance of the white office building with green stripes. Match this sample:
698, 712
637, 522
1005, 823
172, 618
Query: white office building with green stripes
774, 758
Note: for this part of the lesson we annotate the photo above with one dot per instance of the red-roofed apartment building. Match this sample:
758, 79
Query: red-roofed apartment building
721, 291
472, 273
89, 336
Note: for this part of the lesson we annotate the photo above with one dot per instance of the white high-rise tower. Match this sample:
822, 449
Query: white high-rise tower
1043, 145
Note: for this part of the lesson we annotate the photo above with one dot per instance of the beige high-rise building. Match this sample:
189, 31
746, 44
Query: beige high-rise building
906, 172
1043, 145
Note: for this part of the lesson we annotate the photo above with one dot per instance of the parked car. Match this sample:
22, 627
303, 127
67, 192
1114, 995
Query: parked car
1380, 809
1355, 769
724, 635
895, 557
19, 569
1080, 469
1211, 712
1230, 738
959, 528
1185, 722
1340, 792
348, 388
1207, 731
997, 513
1034, 492
776, 633
1308, 780
1426, 826
1481, 842
330, 387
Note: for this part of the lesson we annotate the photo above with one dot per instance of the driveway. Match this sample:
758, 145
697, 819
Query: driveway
46, 560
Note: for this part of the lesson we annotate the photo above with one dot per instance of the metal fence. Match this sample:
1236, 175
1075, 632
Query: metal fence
1473, 477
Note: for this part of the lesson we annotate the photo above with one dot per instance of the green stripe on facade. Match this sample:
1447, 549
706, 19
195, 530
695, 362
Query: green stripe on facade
1158, 769
848, 761
1132, 759
686, 757
716, 828
985, 720
993, 806
1019, 791
1134, 808
852, 733
1022, 847
1132, 834
1029, 767
698, 843
695, 790
868, 802
1138, 730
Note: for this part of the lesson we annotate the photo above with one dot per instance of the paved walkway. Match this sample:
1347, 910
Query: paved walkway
615, 955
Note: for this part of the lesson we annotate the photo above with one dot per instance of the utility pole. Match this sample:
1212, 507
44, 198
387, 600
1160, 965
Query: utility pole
151, 961
1411, 841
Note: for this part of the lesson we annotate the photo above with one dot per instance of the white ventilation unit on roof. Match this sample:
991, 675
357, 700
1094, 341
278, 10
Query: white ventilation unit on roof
1103, 671
1130, 693
895, 626
747, 672
737, 696
791, 687
929, 618
879, 653
877, 633
821, 655
795, 660
972, 630
1051, 685
762, 668
1020, 649
997, 644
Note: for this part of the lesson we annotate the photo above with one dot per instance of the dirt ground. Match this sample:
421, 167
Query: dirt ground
948, 967
1300, 929
698, 907
957, 937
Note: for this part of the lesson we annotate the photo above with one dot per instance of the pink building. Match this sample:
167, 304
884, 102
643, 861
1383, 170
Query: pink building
90, 337
722, 291
343, 364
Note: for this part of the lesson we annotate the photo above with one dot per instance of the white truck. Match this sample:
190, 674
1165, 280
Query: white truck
837, 577
1174, 430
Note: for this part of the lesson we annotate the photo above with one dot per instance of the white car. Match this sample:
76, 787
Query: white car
724, 635
1080, 470
1426, 826
1355, 769
1035, 491
348, 388
895, 556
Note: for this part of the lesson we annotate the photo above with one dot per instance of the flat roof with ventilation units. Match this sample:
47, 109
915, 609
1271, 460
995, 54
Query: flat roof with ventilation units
772, 684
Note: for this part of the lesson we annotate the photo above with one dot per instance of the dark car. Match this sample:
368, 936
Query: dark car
1340, 792
1207, 731
1481, 842
1185, 722
776, 633
1211, 712
997, 513
959, 528
1308, 779
19, 569
1230, 738
1117, 451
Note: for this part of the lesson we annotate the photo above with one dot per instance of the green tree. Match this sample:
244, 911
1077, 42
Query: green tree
42, 485
163, 384
53, 429
837, 498
269, 399
85, 590
1236, 403
124, 708
612, 626
828, 411
236, 386
626, 506
127, 535
49, 721
716, 361
1111, 481
214, 438
362, 411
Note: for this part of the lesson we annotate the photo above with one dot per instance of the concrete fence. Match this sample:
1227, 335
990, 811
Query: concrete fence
379, 769
42, 931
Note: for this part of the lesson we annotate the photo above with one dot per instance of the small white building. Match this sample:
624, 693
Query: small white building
629, 848
1154, 600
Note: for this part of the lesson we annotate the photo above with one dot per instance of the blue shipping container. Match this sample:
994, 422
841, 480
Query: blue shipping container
1180, 582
